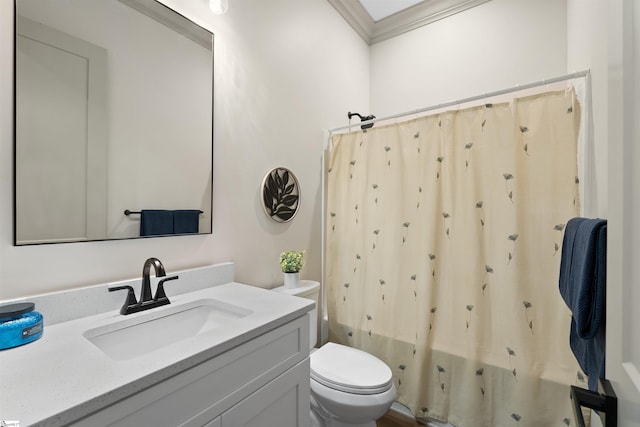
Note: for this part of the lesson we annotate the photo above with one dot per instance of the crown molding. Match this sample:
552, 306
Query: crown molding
406, 20
356, 15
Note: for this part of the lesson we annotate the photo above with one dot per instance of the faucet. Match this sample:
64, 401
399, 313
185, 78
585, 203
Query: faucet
146, 302
145, 294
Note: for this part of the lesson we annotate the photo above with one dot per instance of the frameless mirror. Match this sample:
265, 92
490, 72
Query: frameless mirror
113, 113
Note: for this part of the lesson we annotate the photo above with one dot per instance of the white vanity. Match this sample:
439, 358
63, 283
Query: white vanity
221, 354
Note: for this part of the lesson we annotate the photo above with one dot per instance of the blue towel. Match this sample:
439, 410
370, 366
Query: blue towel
582, 285
186, 221
590, 355
155, 222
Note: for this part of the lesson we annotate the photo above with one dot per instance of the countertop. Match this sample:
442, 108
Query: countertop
63, 377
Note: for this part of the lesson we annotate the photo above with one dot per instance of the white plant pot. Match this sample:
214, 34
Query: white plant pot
291, 280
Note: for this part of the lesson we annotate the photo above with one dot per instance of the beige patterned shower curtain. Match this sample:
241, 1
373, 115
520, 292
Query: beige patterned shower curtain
443, 250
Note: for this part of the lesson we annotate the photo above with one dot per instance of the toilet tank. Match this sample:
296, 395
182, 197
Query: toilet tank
311, 290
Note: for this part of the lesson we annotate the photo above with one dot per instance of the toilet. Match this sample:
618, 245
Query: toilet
349, 387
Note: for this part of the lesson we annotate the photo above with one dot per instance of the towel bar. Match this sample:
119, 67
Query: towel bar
128, 212
604, 401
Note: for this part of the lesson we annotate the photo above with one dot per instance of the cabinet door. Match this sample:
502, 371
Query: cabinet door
284, 402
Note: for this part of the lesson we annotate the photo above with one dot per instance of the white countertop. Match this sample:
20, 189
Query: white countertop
63, 377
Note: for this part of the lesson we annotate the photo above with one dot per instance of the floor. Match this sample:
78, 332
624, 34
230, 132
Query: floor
394, 420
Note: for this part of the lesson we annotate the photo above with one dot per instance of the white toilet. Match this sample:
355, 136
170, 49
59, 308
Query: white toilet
349, 387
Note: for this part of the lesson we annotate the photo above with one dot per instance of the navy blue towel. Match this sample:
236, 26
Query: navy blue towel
186, 221
582, 286
155, 222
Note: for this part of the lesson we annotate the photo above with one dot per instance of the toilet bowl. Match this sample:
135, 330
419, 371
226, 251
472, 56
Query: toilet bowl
349, 387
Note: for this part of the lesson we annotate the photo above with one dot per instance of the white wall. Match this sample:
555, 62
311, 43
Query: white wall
587, 49
494, 46
285, 70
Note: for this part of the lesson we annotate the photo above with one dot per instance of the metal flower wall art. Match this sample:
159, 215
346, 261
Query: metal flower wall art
280, 194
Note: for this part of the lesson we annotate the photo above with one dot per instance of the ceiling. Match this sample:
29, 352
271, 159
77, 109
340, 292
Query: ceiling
378, 20
380, 9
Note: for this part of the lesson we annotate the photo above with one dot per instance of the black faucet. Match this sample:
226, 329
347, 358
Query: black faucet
146, 301
145, 294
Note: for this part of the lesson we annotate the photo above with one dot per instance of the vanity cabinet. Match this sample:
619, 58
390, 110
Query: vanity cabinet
282, 402
260, 382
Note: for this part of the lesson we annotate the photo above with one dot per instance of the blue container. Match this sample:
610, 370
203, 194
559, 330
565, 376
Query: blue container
19, 324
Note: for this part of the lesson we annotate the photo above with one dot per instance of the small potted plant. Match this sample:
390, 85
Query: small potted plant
291, 263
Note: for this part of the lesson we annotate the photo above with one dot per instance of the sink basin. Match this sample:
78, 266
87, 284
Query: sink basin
147, 332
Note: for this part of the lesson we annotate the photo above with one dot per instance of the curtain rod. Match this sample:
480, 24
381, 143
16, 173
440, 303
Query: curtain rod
575, 75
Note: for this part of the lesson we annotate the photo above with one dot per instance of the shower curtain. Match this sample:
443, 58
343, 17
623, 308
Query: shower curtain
443, 243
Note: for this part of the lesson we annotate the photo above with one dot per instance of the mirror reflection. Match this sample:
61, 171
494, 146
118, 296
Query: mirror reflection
113, 113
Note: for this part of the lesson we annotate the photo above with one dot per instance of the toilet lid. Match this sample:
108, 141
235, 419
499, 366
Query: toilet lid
350, 370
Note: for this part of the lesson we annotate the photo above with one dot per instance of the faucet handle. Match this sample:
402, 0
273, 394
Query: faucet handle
160, 290
131, 298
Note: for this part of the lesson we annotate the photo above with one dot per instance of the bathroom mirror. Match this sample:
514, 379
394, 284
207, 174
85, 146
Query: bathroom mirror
113, 113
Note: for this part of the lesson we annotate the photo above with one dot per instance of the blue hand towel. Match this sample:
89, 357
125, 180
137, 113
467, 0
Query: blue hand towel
154, 222
186, 221
582, 285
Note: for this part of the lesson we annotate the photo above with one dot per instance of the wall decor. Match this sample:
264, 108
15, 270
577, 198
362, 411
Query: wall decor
280, 194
